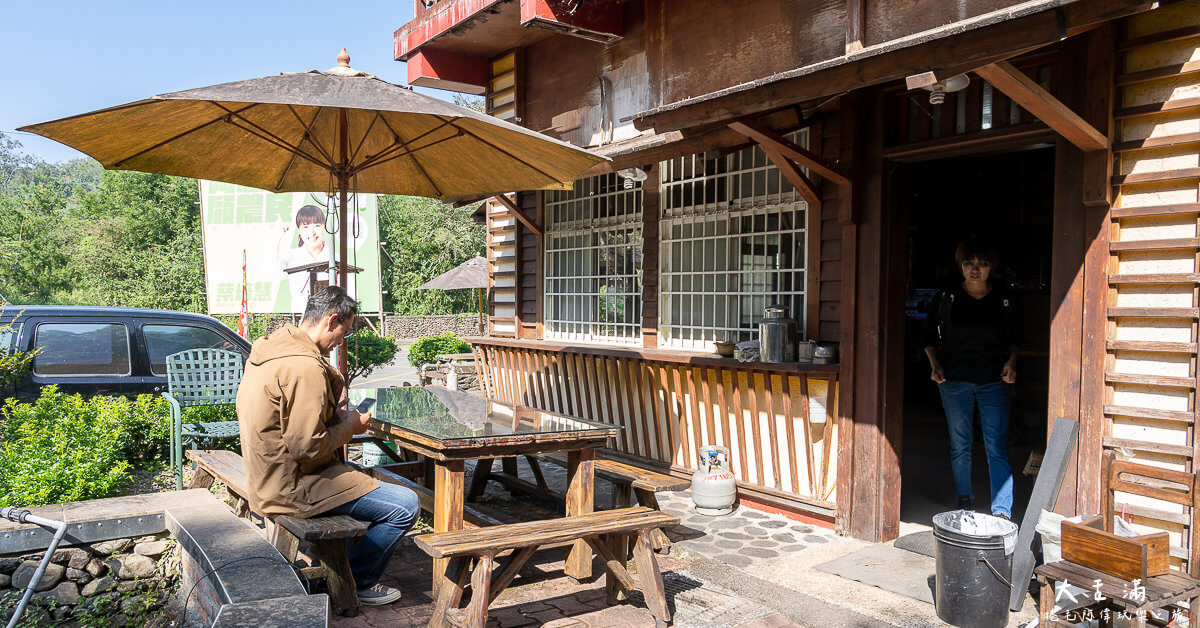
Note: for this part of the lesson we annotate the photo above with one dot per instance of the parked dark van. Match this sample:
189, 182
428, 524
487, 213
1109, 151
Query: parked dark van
106, 350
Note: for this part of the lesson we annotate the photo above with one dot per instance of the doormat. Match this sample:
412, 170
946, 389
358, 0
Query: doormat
896, 570
922, 543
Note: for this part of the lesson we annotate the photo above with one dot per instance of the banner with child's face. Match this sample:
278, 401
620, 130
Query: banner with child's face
279, 232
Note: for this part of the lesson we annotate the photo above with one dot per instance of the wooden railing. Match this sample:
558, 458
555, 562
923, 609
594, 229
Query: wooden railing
778, 420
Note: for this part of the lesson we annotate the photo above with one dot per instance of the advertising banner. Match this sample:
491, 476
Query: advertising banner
278, 232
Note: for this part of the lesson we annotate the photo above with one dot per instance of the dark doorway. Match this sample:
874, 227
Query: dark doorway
1009, 199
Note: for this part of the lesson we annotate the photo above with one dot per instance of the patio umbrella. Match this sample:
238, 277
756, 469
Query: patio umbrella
340, 131
469, 274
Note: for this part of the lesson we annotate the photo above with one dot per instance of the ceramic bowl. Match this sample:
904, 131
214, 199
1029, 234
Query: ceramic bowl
725, 349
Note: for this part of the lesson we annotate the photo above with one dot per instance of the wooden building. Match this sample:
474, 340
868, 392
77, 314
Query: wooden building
790, 154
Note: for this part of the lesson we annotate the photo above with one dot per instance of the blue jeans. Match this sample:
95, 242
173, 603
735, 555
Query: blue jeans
390, 511
960, 399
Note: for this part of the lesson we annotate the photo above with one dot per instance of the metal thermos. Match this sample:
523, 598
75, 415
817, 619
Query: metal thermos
777, 335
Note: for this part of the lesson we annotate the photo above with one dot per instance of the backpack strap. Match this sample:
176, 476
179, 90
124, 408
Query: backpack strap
945, 305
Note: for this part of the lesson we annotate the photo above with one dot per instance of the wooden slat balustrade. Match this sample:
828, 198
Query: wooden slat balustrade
778, 420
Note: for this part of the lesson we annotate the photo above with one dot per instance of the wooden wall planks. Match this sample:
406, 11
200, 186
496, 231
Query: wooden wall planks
779, 426
1150, 330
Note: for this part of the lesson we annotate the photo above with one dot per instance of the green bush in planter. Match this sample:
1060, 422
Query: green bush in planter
423, 351
367, 351
62, 447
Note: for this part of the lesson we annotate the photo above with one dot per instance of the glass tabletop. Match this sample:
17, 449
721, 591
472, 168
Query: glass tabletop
450, 415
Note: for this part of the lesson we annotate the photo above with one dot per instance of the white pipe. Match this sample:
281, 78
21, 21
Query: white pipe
21, 515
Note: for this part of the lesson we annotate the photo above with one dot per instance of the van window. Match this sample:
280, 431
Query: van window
163, 340
8, 337
81, 349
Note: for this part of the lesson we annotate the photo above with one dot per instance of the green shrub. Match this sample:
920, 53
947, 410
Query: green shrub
368, 351
62, 448
423, 351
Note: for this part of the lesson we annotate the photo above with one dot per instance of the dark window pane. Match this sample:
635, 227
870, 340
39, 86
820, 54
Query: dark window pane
163, 340
81, 349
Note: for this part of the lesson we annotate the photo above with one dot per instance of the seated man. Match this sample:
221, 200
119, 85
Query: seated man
293, 426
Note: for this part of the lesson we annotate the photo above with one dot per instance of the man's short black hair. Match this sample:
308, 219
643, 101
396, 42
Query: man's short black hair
977, 248
329, 300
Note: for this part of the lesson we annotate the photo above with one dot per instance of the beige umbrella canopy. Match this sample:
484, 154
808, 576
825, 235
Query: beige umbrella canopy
303, 132
340, 131
469, 274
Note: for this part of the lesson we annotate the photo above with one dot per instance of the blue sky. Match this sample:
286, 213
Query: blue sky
65, 58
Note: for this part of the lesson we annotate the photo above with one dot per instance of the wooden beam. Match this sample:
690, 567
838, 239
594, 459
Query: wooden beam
520, 215
795, 176
772, 141
855, 29
1041, 103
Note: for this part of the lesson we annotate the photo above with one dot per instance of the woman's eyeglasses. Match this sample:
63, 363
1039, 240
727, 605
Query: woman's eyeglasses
967, 264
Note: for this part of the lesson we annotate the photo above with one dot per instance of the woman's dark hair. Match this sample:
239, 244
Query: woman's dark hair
974, 247
329, 300
307, 215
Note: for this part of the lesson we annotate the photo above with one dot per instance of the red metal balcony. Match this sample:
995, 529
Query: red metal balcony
447, 44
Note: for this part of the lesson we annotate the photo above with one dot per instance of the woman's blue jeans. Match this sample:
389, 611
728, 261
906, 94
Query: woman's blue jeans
389, 512
960, 400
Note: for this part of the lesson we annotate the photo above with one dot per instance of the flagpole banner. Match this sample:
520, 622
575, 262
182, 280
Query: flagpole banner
278, 232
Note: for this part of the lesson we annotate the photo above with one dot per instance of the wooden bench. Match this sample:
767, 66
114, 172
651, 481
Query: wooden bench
628, 480
324, 536
484, 544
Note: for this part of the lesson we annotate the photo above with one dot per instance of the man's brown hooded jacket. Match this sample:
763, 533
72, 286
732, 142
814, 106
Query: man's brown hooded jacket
291, 434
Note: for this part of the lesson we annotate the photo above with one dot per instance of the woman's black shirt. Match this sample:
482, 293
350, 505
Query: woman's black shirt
976, 336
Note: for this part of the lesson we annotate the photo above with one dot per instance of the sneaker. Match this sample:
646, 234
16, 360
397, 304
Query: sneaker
378, 595
1000, 515
965, 503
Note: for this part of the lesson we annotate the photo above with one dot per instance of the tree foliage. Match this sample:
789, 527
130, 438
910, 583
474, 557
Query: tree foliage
426, 238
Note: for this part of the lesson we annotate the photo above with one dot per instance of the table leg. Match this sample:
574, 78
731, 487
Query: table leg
479, 480
447, 504
581, 484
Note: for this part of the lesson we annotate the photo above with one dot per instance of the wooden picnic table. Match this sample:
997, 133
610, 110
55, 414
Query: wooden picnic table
450, 427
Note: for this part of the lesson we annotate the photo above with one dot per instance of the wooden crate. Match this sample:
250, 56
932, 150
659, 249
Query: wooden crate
1137, 557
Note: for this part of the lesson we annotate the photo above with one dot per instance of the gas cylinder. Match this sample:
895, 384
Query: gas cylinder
713, 486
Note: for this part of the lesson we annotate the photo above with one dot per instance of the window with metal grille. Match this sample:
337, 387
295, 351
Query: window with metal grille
593, 261
733, 236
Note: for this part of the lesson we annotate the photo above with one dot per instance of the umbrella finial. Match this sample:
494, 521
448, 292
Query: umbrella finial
343, 59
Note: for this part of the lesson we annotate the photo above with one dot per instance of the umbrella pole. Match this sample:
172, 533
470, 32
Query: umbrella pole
343, 179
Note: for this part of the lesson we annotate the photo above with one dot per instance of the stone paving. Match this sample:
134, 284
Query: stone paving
744, 538
542, 595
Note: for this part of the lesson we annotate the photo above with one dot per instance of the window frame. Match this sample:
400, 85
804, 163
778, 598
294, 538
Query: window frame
575, 283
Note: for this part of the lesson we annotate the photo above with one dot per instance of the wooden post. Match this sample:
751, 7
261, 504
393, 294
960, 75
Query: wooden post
848, 218
1067, 277
1096, 197
875, 331
650, 263
580, 498
447, 505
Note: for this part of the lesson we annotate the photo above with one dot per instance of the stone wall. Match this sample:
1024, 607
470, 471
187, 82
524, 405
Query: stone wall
412, 327
123, 581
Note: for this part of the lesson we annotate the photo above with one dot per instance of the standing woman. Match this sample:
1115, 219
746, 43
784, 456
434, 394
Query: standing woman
971, 344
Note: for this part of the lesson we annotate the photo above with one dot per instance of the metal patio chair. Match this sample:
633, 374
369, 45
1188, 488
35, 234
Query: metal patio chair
200, 377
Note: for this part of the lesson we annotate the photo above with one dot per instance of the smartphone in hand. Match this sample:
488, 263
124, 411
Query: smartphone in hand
366, 405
